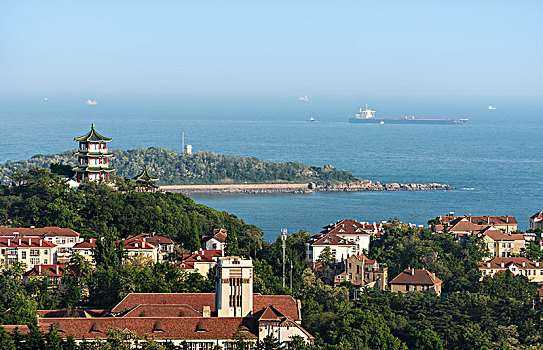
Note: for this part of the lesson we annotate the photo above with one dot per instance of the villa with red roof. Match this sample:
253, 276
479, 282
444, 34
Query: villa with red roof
164, 243
505, 223
215, 240
201, 261
344, 238
503, 244
203, 320
29, 251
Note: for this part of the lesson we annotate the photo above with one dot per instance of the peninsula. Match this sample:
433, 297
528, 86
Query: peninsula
206, 172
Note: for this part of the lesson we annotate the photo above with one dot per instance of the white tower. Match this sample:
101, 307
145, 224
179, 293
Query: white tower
234, 294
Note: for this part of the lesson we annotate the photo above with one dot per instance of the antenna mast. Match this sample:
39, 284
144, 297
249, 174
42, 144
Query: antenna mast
284, 239
183, 141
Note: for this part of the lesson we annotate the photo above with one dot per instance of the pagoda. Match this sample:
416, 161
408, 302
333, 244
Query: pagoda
92, 157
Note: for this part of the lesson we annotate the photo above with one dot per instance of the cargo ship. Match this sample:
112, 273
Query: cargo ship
368, 116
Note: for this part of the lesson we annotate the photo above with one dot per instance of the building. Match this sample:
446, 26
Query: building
503, 244
460, 226
140, 248
363, 272
344, 238
63, 238
93, 157
411, 280
517, 266
29, 251
201, 261
536, 221
52, 271
85, 249
505, 223
215, 240
165, 243
203, 320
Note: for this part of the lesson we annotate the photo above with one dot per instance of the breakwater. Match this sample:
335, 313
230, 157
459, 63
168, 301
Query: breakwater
304, 188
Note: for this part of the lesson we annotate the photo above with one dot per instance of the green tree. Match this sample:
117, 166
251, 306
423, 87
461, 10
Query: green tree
269, 342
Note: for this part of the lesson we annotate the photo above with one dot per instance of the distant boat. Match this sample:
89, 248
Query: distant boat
91, 102
46, 99
312, 119
303, 98
491, 108
368, 116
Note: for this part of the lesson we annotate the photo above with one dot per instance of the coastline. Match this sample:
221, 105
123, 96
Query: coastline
303, 188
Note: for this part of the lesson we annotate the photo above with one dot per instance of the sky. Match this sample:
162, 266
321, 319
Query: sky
272, 48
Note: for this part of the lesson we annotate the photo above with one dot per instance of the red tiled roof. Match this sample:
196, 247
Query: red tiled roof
136, 244
414, 276
162, 327
163, 310
25, 242
23, 329
463, 225
332, 239
537, 216
345, 227
153, 238
497, 235
286, 304
86, 245
54, 270
71, 313
209, 255
269, 314
219, 234
49, 231
507, 262
488, 220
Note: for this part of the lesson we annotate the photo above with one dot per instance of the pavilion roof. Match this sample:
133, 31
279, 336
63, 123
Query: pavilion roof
92, 136
145, 176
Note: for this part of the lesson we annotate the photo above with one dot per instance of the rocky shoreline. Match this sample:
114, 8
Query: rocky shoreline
362, 186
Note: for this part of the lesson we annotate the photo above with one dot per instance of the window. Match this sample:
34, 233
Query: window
34, 261
34, 252
45, 262
12, 251
357, 268
23, 254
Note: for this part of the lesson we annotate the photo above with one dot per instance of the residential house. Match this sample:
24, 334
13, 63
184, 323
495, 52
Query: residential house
29, 251
505, 223
363, 272
503, 244
344, 238
215, 240
63, 238
202, 320
416, 280
201, 261
516, 265
85, 249
165, 243
51, 271
140, 248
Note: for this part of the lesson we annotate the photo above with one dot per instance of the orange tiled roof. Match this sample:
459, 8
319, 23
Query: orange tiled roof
537, 216
285, 304
163, 310
497, 235
54, 270
86, 245
331, 239
219, 233
486, 219
153, 238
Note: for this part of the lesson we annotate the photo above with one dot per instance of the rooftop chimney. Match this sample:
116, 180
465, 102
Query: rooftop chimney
502, 264
488, 264
206, 312
30, 241
537, 264
9, 242
39, 269
523, 264
57, 269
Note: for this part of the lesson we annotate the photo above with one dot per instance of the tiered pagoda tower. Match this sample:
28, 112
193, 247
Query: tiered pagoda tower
92, 157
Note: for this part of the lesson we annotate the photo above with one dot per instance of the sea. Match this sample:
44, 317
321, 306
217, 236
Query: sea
495, 160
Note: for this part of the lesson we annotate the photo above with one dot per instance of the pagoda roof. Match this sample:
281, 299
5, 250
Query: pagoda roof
145, 176
89, 154
93, 169
93, 136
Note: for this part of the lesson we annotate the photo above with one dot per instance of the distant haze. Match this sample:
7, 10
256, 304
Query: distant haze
95, 49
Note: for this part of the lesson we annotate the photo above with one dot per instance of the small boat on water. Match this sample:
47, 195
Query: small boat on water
312, 119
368, 116
491, 108
303, 98
91, 102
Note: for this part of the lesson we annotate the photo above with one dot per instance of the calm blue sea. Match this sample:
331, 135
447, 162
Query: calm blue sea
496, 159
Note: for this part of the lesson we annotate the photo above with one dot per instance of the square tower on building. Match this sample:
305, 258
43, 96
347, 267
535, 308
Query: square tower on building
234, 295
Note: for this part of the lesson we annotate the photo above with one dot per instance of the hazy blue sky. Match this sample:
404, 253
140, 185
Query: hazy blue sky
251, 48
